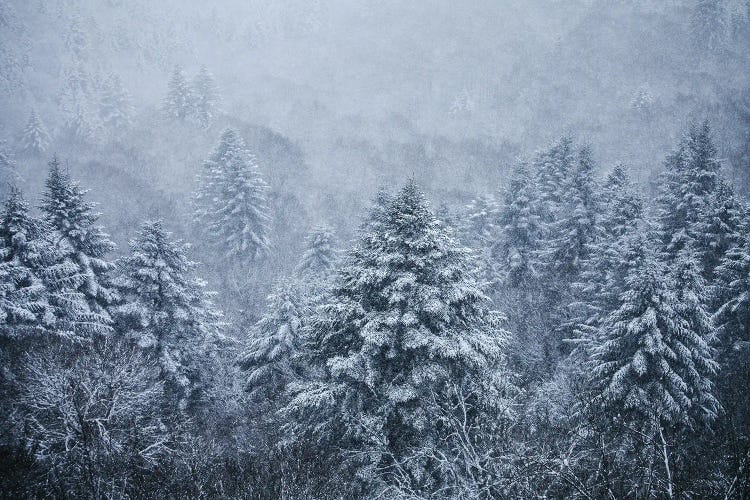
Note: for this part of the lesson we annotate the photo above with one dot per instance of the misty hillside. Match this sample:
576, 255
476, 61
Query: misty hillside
375, 249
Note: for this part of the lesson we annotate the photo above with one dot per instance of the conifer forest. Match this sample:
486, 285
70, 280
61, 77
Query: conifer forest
376, 249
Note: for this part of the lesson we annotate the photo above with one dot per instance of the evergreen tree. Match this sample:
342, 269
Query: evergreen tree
34, 138
272, 356
50, 279
719, 228
179, 98
115, 108
479, 227
231, 201
320, 256
79, 239
22, 298
8, 171
576, 228
515, 251
553, 169
205, 95
602, 281
654, 361
732, 293
406, 320
166, 310
695, 204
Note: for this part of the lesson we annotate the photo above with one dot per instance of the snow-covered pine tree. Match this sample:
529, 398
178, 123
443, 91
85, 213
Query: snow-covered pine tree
205, 97
569, 236
732, 294
653, 362
115, 107
23, 304
692, 193
78, 238
603, 276
552, 169
8, 171
273, 354
515, 250
166, 310
231, 204
179, 101
719, 228
406, 321
479, 229
320, 254
34, 138
61, 309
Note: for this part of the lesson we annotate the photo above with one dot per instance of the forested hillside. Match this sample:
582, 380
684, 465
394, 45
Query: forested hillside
287, 249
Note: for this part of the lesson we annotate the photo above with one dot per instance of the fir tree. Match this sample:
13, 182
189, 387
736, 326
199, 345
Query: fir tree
29, 246
654, 361
479, 227
320, 256
552, 169
79, 239
34, 138
406, 319
205, 97
719, 228
23, 304
166, 310
732, 293
115, 108
515, 250
8, 171
179, 98
603, 276
272, 357
231, 201
693, 195
570, 236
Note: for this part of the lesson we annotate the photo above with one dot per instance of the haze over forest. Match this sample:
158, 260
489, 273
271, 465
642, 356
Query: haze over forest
358, 248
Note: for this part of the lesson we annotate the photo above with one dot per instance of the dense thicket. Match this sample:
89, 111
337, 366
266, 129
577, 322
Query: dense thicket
564, 337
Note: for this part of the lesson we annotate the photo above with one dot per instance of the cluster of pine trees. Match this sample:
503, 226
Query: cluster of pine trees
564, 338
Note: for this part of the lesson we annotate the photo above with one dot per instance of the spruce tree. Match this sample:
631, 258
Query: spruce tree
8, 170
78, 238
603, 276
231, 202
179, 100
479, 227
653, 362
205, 97
34, 138
569, 237
115, 107
320, 256
23, 306
29, 246
695, 205
166, 310
406, 320
520, 221
272, 357
552, 168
